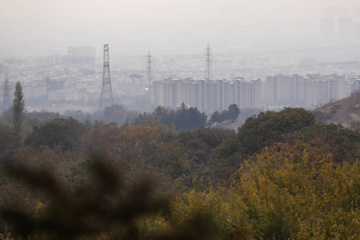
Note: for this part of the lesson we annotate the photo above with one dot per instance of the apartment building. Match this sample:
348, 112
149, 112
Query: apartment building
275, 92
208, 96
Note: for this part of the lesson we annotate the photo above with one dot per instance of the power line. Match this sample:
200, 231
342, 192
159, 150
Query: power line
238, 54
272, 52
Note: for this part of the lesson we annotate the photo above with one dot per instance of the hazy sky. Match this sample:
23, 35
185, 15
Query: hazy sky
33, 27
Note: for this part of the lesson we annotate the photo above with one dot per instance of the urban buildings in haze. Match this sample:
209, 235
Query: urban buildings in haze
275, 92
207, 95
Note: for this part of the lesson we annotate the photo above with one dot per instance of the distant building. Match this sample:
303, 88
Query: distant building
207, 96
356, 31
282, 90
306, 92
36, 88
327, 27
278, 91
345, 28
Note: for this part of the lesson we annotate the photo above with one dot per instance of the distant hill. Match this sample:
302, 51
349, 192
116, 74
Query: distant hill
345, 112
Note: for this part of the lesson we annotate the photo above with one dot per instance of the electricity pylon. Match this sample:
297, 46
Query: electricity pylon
106, 98
208, 70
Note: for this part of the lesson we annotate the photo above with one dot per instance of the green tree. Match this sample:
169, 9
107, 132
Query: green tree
233, 112
230, 114
199, 145
268, 128
7, 144
187, 118
159, 112
18, 110
184, 118
215, 117
64, 132
7, 138
341, 142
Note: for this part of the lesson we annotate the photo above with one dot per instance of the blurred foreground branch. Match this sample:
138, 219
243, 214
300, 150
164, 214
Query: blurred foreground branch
101, 208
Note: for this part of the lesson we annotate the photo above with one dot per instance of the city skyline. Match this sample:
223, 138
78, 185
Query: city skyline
57, 47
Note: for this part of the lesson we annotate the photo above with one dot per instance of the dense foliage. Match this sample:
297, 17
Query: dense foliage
18, 110
183, 118
267, 128
64, 132
281, 176
230, 114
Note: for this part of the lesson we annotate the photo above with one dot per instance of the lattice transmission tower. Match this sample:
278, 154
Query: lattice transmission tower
6, 97
149, 69
106, 98
208, 67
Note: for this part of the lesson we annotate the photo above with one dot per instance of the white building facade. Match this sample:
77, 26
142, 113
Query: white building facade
208, 96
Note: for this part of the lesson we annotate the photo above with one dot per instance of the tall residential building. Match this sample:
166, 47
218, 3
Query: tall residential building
207, 96
282, 90
279, 91
327, 27
307, 92
345, 28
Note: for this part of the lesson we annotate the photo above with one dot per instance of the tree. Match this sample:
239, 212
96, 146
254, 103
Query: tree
141, 148
105, 206
159, 112
268, 128
35, 118
230, 114
118, 113
186, 118
233, 112
341, 142
7, 144
295, 191
64, 132
7, 138
18, 110
199, 146
215, 117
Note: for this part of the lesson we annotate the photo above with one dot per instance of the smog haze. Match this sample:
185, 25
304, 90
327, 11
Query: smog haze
39, 27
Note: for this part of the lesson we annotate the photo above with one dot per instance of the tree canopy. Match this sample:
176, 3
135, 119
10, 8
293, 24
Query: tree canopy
59, 131
183, 118
18, 110
281, 176
230, 114
267, 128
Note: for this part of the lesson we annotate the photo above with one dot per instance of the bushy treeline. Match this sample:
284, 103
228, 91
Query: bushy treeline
183, 118
187, 118
230, 114
280, 176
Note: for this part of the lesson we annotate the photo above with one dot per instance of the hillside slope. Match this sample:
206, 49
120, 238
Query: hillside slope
345, 112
